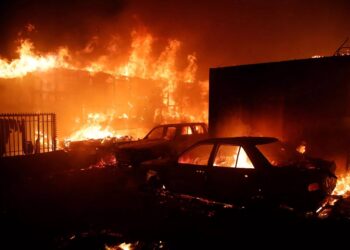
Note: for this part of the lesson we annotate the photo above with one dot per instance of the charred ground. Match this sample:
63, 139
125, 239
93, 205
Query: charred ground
44, 206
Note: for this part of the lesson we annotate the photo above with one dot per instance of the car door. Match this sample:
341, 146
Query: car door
232, 177
183, 139
190, 173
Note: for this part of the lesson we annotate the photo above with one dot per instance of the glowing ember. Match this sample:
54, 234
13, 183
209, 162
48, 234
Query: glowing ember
123, 246
106, 160
301, 149
343, 186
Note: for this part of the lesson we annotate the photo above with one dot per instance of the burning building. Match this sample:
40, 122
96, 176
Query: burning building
107, 95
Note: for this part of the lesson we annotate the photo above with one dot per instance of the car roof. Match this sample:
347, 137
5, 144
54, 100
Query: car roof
251, 140
181, 124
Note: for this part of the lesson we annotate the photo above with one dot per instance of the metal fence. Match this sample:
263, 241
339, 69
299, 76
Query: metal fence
23, 134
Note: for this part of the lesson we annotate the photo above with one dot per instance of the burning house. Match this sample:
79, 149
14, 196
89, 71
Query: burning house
105, 97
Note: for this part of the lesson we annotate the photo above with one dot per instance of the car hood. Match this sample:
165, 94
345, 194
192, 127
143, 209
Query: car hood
141, 144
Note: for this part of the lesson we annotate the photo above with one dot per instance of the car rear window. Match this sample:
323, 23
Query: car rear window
278, 154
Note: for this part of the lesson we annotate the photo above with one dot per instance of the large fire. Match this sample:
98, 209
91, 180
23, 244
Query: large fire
140, 62
94, 129
29, 61
343, 186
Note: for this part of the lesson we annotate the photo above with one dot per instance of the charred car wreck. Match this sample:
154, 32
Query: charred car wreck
246, 171
163, 141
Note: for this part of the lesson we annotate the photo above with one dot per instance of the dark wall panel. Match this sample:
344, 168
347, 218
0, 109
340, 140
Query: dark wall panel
301, 100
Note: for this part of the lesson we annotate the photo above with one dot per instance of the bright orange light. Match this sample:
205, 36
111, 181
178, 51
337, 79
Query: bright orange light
243, 160
139, 60
123, 246
343, 186
141, 63
28, 61
94, 129
301, 148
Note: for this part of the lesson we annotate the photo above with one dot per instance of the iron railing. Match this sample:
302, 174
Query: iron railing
22, 134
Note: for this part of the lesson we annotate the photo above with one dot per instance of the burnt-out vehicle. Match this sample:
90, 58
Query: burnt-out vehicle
244, 171
163, 141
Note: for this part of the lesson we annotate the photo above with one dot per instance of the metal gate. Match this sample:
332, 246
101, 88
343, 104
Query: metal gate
23, 134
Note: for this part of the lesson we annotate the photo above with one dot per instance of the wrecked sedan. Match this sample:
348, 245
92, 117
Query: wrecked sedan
163, 141
245, 171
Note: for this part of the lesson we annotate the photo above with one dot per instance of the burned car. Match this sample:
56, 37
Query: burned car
244, 171
163, 141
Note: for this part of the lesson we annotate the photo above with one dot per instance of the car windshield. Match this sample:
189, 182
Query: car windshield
279, 154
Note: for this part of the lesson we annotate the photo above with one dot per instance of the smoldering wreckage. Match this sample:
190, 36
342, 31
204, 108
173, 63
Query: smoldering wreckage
184, 183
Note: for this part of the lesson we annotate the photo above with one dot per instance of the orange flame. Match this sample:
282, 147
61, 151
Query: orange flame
343, 186
99, 126
122, 246
141, 63
139, 57
191, 69
94, 129
28, 61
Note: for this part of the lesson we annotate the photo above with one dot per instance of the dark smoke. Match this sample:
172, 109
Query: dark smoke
221, 32
57, 22
233, 32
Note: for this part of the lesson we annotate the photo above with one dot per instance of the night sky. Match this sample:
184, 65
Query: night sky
220, 32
